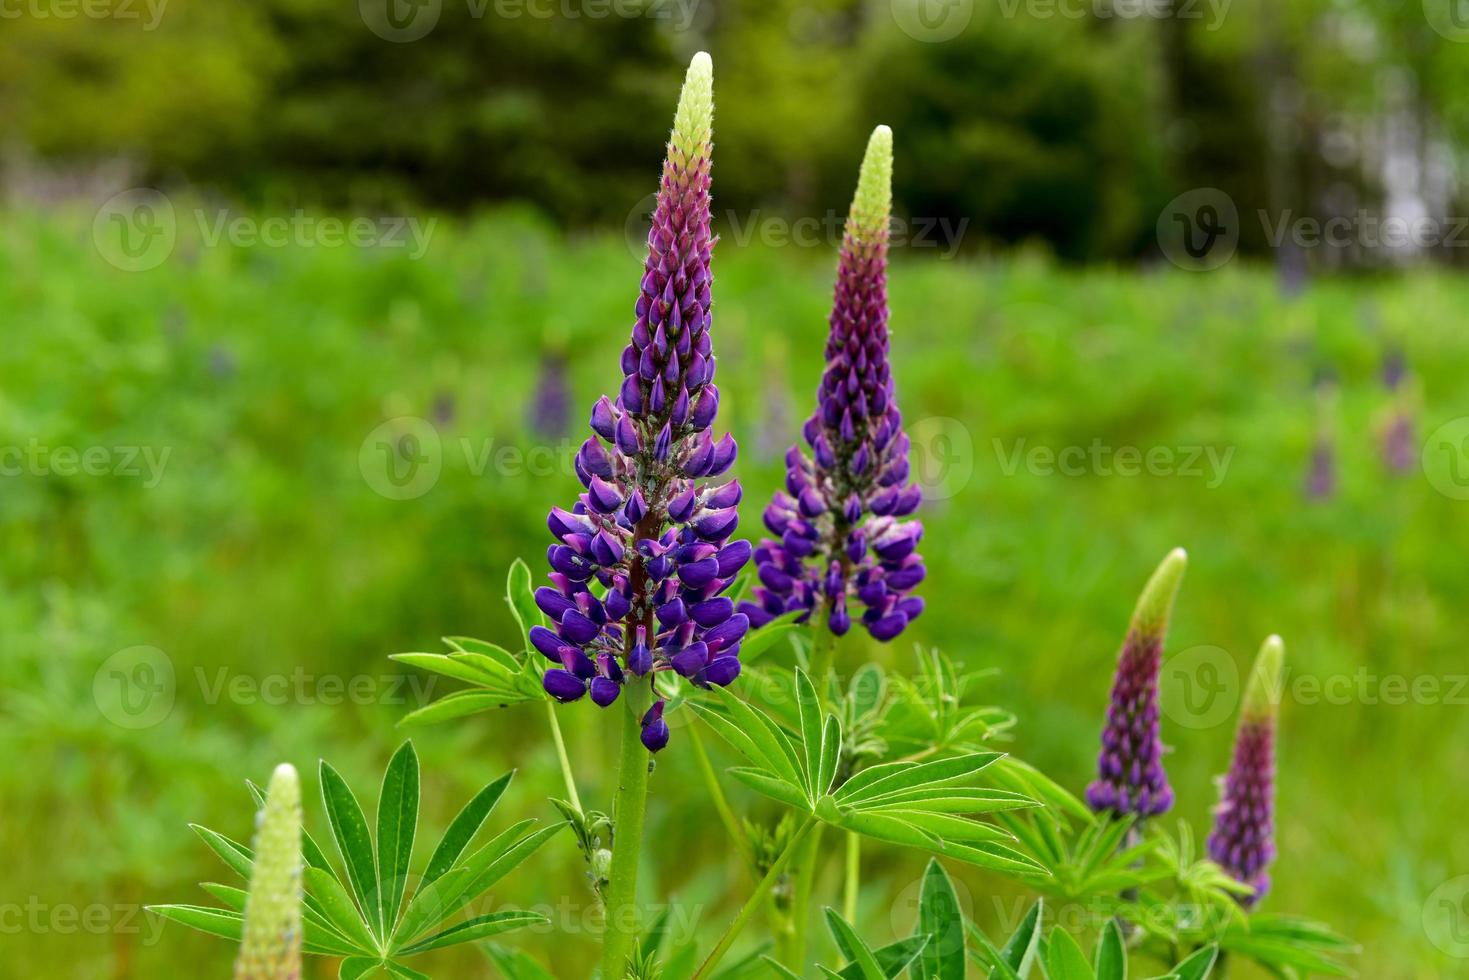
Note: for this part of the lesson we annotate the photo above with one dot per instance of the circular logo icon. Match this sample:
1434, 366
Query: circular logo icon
638, 226
1199, 687
135, 688
905, 908
1449, 18
943, 457
400, 21
1446, 459
1199, 229
401, 459
932, 21
1446, 917
135, 230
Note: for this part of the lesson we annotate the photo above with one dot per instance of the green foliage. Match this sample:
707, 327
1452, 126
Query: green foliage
362, 917
926, 806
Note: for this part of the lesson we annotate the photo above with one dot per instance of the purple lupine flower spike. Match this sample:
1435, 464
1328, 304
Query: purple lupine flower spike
839, 537
1243, 841
1130, 776
653, 527
550, 408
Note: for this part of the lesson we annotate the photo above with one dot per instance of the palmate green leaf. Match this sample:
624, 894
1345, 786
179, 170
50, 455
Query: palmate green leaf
337, 908
942, 920
1064, 958
762, 782
811, 732
1110, 959
852, 947
354, 843
234, 854
461, 667
480, 927
231, 896
949, 799
487, 656
397, 826
435, 901
463, 829
1022, 949
357, 967
898, 777
229, 924
755, 736
404, 973
1197, 966
462, 703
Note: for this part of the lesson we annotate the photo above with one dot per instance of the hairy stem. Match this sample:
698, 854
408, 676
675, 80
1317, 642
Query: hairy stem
629, 808
756, 899
853, 882
560, 743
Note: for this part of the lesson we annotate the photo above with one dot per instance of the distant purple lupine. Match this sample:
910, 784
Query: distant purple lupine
838, 530
1130, 775
652, 536
1397, 440
1243, 841
550, 408
1321, 475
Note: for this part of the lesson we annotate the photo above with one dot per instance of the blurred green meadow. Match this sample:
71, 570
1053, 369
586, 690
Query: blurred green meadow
194, 463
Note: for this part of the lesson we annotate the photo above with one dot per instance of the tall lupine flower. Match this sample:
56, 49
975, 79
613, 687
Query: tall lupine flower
1397, 442
550, 407
646, 530
837, 527
1130, 776
271, 948
1243, 841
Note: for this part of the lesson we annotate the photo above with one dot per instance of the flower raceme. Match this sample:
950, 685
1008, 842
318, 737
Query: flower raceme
271, 946
837, 526
1243, 841
641, 560
1130, 776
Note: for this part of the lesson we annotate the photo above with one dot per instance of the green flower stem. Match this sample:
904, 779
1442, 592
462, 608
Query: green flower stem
791, 946
621, 909
721, 803
854, 877
560, 743
756, 899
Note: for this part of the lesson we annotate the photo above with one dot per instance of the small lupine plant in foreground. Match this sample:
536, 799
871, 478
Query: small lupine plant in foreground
647, 609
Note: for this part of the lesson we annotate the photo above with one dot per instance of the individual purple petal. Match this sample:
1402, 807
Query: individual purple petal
604, 691
563, 685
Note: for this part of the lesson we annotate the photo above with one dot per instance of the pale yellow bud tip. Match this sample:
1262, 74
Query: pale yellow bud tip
873, 203
1262, 697
1156, 603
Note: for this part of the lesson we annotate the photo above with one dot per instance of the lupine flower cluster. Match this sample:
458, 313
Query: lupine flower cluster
838, 529
271, 947
1243, 841
1130, 775
641, 560
550, 406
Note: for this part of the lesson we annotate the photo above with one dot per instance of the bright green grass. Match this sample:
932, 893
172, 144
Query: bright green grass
263, 548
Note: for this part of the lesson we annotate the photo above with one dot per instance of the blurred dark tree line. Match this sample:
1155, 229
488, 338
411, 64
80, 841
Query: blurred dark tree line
1071, 123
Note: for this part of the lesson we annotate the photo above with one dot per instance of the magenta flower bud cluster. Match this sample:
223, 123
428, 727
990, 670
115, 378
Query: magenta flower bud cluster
1130, 776
1243, 841
641, 559
838, 531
